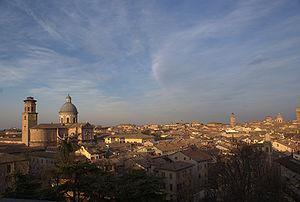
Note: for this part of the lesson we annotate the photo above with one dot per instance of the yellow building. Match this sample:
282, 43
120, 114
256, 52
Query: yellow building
128, 138
284, 146
91, 153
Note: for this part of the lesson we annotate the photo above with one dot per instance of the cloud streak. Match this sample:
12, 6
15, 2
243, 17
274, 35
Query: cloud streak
150, 61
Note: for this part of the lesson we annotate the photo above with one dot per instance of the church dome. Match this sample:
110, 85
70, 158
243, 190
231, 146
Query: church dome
68, 106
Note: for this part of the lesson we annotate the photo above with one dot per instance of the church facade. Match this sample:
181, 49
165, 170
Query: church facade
48, 134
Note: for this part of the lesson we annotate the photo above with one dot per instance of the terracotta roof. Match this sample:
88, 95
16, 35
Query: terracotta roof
171, 146
18, 148
48, 126
85, 124
133, 136
44, 154
197, 154
174, 166
9, 158
154, 161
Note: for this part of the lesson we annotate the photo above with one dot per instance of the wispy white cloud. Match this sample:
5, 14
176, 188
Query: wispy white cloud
196, 56
228, 59
149, 60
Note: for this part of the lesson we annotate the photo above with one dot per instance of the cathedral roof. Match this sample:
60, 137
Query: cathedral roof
68, 106
48, 126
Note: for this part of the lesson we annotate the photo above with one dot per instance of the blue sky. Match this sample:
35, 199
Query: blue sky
150, 61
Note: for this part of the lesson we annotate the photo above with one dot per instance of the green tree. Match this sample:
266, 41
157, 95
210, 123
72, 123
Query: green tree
22, 186
77, 181
67, 147
138, 186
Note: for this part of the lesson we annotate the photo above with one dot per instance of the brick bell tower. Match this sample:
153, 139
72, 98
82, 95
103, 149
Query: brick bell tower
29, 119
232, 120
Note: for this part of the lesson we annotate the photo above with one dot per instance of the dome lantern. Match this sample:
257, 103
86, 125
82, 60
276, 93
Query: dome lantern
68, 98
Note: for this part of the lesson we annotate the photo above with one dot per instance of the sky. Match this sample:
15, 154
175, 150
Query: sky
150, 61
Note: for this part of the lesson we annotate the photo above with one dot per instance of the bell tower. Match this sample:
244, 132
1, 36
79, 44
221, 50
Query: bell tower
232, 120
29, 118
298, 115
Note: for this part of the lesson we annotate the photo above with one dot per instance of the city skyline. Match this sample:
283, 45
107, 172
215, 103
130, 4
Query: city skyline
150, 62
231, 120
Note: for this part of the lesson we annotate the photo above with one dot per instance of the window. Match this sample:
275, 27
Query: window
68, 120
199, 176
175, 157
61, 120
171, 187
170, 175
74, 120
24, 117
28, 109
32, 109
163, 174
184, 158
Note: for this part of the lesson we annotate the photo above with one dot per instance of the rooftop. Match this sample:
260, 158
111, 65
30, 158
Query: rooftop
174, 166
132, 136
9, 158
290, 163
197, 154
48, 126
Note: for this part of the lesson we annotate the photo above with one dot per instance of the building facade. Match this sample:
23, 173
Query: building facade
289, 170
200, 161
10, 164
44, 135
